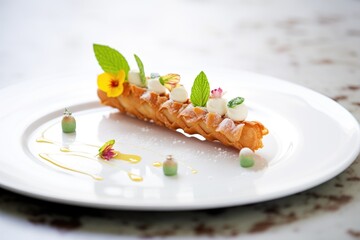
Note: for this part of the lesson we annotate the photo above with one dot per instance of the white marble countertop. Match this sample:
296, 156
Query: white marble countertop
312, 43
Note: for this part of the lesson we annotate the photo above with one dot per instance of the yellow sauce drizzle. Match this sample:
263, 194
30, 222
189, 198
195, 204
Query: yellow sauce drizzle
50, 160
127, 157
79, 155
134, 177
193, 171
157, 164
65, 149
131, 158
44, 140
91, 145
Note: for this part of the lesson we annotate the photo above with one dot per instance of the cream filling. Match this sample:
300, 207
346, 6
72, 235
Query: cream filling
155, 86
216, 105
179, 94
134, 78
238, 113
246, 152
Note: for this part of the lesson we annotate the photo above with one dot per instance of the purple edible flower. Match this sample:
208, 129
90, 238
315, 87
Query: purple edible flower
216, 93
106, 151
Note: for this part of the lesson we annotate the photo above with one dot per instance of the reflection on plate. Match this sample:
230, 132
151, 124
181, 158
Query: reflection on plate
47, 164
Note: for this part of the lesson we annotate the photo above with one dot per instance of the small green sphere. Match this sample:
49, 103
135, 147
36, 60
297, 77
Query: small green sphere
247, 161
170, 170
68, 124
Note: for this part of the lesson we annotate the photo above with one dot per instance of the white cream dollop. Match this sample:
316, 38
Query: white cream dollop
134, 78
179, 94
237, 113
155, 86
216, 105
246, 152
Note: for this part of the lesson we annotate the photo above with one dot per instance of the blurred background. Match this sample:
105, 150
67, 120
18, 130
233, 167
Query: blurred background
312, 43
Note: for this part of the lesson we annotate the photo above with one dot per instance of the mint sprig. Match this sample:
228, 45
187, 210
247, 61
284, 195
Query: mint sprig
200, 90
141, 69
110, 60
235, 102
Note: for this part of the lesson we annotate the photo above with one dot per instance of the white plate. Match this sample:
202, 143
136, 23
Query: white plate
311, 140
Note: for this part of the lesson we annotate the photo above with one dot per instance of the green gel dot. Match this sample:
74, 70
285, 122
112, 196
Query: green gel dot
246, 161
170, 170
170, 166
68, 125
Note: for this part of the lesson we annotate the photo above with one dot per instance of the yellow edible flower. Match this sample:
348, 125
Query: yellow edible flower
111, 84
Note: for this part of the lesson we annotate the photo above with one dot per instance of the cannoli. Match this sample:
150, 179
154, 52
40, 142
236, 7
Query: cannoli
163, 101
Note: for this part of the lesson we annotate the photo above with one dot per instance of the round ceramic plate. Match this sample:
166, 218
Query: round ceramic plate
311, 139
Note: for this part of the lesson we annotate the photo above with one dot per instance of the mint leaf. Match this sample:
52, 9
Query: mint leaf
236, 101
141, 69
110, 60
200, 90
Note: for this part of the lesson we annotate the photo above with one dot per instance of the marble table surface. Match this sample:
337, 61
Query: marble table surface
312, 43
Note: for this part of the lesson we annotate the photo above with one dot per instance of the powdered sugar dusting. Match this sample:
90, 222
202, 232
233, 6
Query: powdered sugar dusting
146, 96
188, 111
226, 125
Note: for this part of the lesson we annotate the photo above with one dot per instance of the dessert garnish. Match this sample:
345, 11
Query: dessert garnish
68, 122
110, 60
216, 102
111, 84
179, 94
205, 113
235, 102
137, 77
134, 78
155, 85
170, 166
236, 109
246, 158
115, 67
170, 80
200, 90
106, 151
83, 150
141, 70
154, 75
216, 93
